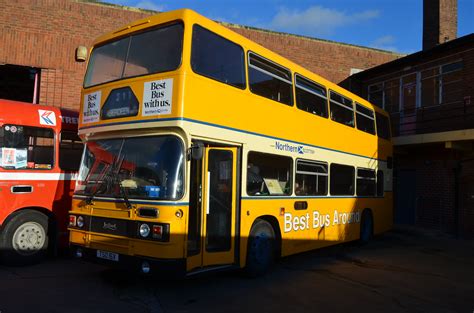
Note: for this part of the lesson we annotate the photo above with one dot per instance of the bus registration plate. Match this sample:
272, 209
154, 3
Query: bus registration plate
107, 255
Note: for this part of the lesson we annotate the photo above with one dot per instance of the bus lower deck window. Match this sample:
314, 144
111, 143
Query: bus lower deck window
268, 174
25, 147
365, 182
342, 180
311, 178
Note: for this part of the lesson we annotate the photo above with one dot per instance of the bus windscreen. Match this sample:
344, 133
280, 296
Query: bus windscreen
146, 168
155, 51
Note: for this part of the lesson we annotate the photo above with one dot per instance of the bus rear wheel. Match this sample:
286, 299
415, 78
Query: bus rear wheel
366, 226
24, 239
261, 248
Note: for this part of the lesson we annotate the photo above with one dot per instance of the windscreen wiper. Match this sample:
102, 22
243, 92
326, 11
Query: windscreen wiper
100, 181
122, 188
124, 195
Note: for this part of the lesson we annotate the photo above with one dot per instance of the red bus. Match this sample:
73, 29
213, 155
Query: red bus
40, 154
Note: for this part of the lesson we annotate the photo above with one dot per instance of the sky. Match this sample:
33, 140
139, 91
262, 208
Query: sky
394, 25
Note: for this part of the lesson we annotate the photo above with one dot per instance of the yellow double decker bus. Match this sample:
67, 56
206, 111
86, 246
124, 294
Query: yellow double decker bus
206, 151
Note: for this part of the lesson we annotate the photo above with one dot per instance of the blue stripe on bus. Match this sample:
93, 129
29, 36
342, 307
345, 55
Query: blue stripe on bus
136, 201
232, 129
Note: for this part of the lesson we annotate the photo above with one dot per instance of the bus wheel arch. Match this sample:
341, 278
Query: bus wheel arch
38, 225
264, 244
366, 226
276, 228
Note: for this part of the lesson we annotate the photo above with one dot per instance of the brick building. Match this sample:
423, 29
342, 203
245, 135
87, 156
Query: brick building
38, 39
430, 97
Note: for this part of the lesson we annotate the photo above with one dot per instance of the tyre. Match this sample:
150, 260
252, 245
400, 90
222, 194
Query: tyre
366, 227
260, 249
24, 239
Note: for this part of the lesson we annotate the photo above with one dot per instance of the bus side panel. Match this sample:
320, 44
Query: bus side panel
325, 222
383, 213
41, 195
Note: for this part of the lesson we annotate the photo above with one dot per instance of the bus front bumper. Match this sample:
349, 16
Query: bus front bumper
169, 268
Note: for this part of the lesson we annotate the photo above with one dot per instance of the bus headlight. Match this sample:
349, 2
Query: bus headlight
80, 221
144, 230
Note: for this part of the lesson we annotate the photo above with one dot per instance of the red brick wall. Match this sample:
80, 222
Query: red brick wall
329, 59
45, 33
444, 179
435, 197
466, 198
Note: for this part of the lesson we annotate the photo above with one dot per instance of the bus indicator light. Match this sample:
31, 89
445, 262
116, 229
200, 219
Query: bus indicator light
157, 231
72, 220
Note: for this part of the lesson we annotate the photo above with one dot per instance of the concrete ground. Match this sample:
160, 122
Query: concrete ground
405, 270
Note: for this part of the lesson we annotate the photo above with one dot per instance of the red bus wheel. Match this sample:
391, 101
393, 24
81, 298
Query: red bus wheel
24, 239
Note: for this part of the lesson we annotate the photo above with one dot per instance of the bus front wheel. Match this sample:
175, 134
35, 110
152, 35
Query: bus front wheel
261, 248
24, 239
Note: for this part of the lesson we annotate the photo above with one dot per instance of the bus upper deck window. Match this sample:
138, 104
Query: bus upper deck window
365, 119
342, 110
383, 126
311, 97
218, 58
270, 80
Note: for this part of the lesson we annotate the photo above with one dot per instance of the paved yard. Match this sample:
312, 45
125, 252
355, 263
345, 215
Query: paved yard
402, 271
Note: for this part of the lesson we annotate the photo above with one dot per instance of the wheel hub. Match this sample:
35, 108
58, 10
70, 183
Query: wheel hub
29, 238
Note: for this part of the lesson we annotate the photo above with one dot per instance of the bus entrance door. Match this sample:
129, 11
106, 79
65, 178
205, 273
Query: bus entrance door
213, 199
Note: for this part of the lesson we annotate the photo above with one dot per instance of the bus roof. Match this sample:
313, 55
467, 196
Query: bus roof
190, 17
28, 114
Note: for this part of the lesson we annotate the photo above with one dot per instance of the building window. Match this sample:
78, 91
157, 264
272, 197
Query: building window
268, 174
365, 182
365, 119
376, 94
342, 180
409, 93
311, 178
24, 147
342, 110
391, 95
218, 58
451, 87
19, 83
70, 151
430, 87
311, 97
383, 126
269, 80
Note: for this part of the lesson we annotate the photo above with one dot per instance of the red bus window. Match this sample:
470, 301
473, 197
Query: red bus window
70, 151
24, 147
